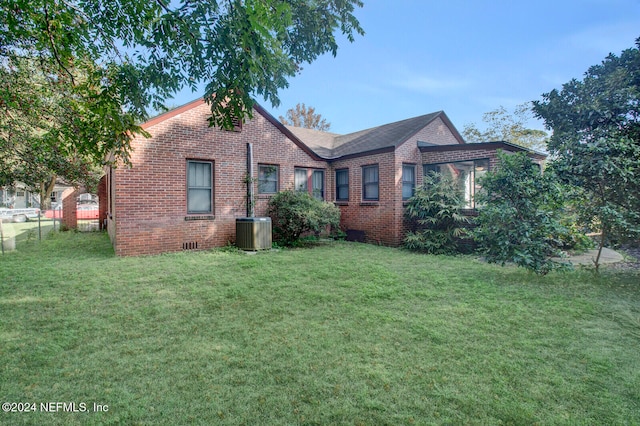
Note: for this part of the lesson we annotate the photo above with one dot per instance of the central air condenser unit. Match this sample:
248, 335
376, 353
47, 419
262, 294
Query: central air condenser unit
253, 233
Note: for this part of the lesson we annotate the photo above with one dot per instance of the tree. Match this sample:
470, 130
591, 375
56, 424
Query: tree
115, 59
435, 214
519, 221
596, 143
36, 129
306, 117
509, 128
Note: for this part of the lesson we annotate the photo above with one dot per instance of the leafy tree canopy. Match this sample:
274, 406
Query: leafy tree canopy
503, 126
519, 221
41, 133
596, 142
102, 64
306, 117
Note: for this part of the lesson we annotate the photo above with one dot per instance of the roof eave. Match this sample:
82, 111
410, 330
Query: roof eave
172, 113
364, 153
495, 145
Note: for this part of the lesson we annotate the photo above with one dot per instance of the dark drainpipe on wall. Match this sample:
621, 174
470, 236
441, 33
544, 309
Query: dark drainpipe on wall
249, 180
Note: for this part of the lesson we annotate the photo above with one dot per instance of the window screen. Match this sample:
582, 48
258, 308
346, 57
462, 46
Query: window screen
199, 187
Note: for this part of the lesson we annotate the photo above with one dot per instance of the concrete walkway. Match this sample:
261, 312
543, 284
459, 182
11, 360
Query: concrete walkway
587, 258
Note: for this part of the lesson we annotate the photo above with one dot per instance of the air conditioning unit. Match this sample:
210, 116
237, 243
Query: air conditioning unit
253, 233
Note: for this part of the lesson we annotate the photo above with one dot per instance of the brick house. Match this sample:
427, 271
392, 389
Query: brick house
187, 183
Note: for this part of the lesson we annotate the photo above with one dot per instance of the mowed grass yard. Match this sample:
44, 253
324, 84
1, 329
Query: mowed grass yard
338, 333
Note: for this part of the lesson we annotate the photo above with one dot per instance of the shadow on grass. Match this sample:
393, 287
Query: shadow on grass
59, 245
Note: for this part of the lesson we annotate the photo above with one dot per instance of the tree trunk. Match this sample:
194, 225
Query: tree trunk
45, 193
600, 246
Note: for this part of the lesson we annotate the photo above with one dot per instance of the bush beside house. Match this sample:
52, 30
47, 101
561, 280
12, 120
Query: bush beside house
294, 213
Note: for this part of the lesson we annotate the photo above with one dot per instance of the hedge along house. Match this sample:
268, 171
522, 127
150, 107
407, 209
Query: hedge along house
187, 184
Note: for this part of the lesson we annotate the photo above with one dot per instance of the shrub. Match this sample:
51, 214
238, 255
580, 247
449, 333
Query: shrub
435, 214
294, 213
520, 218
572, 237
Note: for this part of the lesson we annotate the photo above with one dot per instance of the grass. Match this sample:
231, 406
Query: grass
17, 233
341, 333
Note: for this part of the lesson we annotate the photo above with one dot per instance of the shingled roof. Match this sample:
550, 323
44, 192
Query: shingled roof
385, 137
331, 146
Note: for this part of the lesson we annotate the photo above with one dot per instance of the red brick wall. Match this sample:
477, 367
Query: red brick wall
437, 132
383, 221
376, 218
69, 208
102, 201
149, 199
451, 156
146, 209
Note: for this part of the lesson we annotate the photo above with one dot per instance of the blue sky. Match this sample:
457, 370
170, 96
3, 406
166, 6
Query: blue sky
463, 57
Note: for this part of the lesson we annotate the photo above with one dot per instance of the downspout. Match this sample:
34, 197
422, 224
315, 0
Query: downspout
249, 180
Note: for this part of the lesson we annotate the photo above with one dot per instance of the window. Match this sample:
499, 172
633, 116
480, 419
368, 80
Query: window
465, 174
311, 181
199, 187
301, 182
370, 189
267, 179
408, 180
342, 185
317, 184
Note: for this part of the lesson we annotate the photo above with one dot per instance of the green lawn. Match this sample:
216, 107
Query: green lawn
340, 333
17, 233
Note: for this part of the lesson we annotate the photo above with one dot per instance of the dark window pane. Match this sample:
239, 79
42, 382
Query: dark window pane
317, 179
370, 190
342, 185
267, 179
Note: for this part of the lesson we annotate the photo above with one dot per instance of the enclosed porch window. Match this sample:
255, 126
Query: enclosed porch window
465, 174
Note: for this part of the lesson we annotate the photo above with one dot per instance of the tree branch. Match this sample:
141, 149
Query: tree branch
105, 37
53, 46
179, 17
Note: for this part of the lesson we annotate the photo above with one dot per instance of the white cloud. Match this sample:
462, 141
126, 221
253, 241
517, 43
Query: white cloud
605, 39
428, 83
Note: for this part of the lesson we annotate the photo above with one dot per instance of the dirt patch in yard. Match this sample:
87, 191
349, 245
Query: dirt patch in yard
631, 261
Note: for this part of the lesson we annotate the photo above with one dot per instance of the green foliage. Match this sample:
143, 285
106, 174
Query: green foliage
305, 117
435, 214
137, 53
572, 236
46, 129
520, 218
294, 213
503, 126
596, 143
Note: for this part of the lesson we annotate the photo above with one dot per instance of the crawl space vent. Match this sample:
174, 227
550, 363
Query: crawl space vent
192, 245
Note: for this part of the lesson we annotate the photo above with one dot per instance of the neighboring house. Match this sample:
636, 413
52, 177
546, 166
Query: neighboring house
187, 183
19, 196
